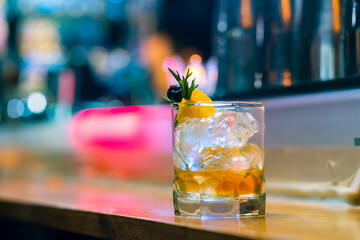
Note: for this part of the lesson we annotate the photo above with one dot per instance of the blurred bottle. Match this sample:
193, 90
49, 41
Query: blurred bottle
333, 50
352, 42
236, 45
262, 44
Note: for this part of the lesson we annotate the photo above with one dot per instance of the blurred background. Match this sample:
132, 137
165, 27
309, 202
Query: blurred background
58, 57
61, 57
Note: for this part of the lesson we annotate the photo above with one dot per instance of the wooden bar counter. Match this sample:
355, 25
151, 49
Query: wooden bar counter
120, 209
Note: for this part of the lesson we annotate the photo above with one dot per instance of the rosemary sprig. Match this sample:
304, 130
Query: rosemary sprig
169, 100
186, 91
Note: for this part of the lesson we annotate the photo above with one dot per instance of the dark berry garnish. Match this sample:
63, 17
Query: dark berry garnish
174, 93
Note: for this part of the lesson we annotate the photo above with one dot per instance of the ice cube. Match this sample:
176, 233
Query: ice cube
215, 158
254, 154
190, 139
246, 126
250, 156
225, 129
233, 129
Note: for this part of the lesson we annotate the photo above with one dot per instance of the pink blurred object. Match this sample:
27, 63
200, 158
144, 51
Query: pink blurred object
130, 141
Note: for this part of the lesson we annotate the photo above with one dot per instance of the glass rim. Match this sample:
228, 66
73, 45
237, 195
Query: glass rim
225, 104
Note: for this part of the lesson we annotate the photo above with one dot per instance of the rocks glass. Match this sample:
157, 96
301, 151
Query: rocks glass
218, 154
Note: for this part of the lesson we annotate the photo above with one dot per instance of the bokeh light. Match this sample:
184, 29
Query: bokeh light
175, 63
15, 108
37, 102
198, 71
206, 75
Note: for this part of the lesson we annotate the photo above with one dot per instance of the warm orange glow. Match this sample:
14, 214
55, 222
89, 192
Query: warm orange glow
10, 158
195, 58
286, 82
245, 14
286, 11
154, 50
39, 35
198, 70
336, 15
198, 73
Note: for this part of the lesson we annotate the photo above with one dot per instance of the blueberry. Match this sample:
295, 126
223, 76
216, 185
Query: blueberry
174, 93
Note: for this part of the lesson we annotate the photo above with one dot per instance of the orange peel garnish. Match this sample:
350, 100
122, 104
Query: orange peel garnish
187, 112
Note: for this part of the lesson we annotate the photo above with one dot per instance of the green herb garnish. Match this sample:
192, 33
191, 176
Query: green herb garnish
186, 90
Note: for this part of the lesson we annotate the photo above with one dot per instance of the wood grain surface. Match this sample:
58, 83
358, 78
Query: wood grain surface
143, 210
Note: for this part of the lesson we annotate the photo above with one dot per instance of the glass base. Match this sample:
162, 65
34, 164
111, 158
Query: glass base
189, 205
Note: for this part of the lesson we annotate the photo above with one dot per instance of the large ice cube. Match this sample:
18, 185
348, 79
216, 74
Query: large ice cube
233, 129
225, 129
190, 136
249, 156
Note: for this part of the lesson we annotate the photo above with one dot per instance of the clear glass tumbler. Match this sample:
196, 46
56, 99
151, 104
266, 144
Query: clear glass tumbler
218, 153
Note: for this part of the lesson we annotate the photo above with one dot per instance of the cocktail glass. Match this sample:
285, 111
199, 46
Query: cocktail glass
218, 153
